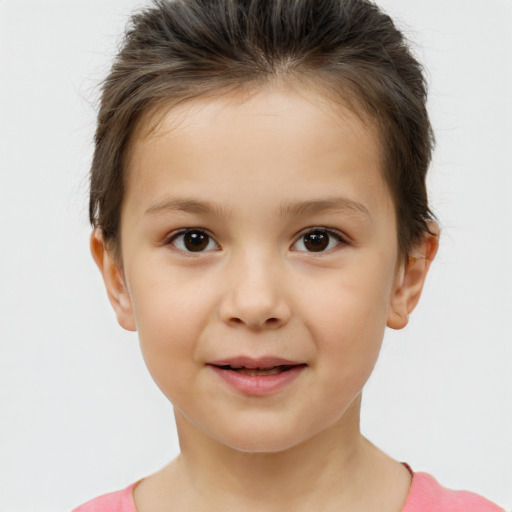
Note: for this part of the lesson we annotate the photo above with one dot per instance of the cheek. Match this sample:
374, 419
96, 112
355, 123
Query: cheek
168, 304
170, 316
348, 320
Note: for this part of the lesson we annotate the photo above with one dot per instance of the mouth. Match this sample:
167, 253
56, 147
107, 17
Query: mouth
273, 370
258, 377
265, 365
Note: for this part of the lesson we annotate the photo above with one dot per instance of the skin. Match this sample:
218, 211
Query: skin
256, 290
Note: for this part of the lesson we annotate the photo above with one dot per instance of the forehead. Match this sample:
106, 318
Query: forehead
278, 141
305, 106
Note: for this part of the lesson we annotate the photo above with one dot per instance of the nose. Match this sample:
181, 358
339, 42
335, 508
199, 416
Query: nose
254, 296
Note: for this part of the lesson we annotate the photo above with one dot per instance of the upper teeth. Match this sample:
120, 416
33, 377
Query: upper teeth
245, 367
259, 371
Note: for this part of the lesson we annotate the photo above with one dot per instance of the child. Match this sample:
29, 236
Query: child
260, 216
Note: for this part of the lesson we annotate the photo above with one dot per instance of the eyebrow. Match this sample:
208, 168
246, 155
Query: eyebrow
188, 206
316, 206
287, 209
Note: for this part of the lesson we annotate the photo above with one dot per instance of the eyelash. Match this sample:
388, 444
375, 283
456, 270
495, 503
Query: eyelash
174, 236
331, 233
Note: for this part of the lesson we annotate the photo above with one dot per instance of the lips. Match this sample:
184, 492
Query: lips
274, 370
258, 376
267, 365
261, 363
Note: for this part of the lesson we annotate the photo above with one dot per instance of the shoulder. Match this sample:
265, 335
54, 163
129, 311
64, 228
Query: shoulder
119, 501
427, 495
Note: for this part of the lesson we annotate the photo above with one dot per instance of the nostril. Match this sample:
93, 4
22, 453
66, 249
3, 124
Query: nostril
269, 322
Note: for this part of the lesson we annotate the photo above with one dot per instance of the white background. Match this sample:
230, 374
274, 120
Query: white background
80, 415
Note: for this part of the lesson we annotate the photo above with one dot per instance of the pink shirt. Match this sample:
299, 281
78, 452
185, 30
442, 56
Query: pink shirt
425, 495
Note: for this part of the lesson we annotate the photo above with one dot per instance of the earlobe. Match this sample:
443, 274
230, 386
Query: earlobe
114, 281
411, 278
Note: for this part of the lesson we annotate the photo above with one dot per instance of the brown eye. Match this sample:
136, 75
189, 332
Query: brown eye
193, 240
317, 240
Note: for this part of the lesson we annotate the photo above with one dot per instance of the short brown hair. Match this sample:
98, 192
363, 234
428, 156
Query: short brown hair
177, 50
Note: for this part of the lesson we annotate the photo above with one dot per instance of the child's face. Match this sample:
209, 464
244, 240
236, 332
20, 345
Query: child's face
291, 253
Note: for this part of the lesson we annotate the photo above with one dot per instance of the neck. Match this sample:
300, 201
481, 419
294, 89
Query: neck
330, 471
234, 470
336, 470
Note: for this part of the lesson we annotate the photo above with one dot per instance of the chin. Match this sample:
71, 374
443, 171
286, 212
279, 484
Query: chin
265, 439
258, 446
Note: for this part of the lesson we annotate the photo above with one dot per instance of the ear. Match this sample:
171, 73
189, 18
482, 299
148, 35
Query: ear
411, 278
114, 281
